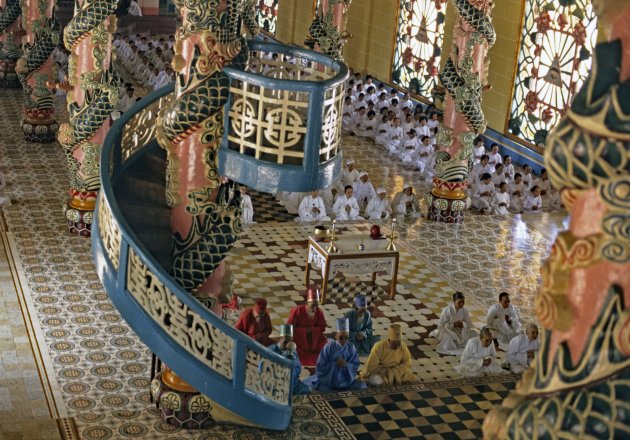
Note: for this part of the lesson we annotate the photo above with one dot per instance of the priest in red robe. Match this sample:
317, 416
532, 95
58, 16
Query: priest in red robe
256, 323
308, 328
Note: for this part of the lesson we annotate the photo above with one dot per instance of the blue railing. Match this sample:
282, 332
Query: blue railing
233, 370
283, 120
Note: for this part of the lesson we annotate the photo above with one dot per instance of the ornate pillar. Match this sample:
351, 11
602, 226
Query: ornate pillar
578, 386
36, 68
327, 33
206, 208
93, 96
465, 78
10, 34
206, 212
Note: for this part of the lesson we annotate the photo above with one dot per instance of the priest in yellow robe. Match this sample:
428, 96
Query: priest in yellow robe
389, 362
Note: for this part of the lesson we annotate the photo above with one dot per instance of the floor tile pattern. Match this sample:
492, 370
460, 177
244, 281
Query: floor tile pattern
418, 411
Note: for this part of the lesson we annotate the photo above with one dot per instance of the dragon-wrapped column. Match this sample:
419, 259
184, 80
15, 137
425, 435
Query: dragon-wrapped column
578, 384
36, 68
10, 35
327, 34
93, 96
464, 77
206, 216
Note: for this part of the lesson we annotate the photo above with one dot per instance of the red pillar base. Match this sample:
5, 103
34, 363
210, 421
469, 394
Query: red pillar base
8, 77
181, 406
445, 209
40, 133
79, 212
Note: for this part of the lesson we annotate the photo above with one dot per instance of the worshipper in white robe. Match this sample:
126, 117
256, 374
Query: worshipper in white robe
408, 124
135, 9
503, 321
498, 176
528, 178
127, 100
359, 102
312, 208
532, 203
482, 194
406, 203
508, 169
501, 200
356, 121
329, 196
379, 207
349, 175
479, 149
347, 111
494, 157
409, 147
550, 197
517, 191
479, 170
479, 357
246, 206
454, 328
382, 102
346, 206
523, 349
423, 129
382, 132
395, 137
363, 190
425, 151
4, 199
369, 126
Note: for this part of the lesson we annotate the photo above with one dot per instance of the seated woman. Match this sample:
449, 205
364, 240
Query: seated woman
454, 328
361, 326
309, 325
479, 357
390, 361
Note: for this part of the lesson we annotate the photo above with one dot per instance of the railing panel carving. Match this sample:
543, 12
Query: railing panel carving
193, 333
267, 378
109, 232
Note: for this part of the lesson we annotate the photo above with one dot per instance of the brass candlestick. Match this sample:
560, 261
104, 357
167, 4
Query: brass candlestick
392, 236
331, 249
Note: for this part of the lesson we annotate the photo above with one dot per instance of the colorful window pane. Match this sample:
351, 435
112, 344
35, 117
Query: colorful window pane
419, 45
553, 62
267, 15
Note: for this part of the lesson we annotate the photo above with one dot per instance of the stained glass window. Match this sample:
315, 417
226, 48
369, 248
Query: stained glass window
267, 15
554, 60
419, 45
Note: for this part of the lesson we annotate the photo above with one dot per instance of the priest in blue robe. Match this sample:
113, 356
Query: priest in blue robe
287, 348
338, 363
361, 326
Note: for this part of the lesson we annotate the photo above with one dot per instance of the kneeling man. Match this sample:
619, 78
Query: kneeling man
479, 357
338, 363
523, 349
390, 361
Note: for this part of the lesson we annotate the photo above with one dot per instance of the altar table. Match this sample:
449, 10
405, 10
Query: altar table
350, 260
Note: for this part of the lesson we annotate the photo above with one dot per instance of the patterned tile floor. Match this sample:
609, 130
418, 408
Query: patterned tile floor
92, 371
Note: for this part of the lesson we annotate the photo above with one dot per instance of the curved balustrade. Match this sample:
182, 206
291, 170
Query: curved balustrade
283, 120
241, 376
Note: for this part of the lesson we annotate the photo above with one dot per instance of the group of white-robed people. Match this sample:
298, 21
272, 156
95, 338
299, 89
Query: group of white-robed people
458, 337
353, 197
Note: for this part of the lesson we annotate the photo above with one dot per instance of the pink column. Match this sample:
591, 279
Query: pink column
93, 96
10, 35
583, 304
464, 77
37, 68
